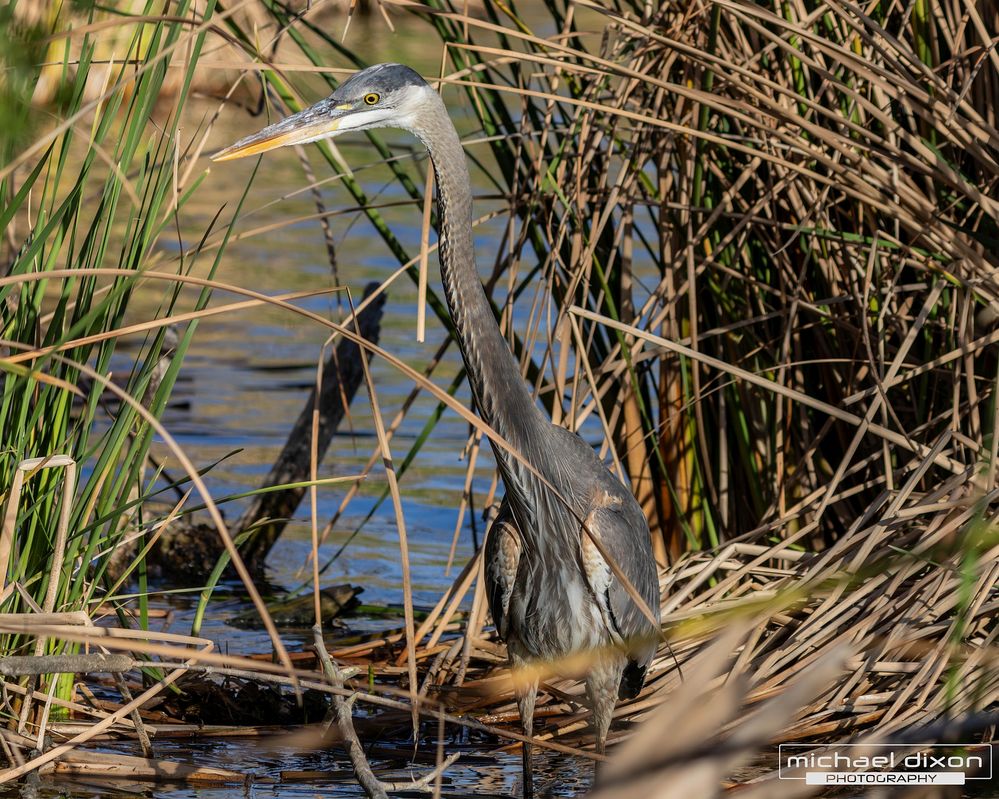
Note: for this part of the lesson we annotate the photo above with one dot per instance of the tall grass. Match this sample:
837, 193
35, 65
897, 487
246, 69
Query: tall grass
87, 200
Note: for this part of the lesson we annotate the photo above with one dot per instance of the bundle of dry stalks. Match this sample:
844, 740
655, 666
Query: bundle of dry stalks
905, 602
889, 631
802, 207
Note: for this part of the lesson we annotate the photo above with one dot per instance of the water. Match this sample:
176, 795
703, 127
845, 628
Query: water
274, 763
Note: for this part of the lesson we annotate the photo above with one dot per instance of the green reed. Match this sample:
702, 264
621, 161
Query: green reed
87, 200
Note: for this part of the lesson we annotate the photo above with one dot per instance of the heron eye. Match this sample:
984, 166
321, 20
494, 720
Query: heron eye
371, 98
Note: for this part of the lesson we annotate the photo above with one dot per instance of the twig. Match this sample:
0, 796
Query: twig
423, 784
342, 709
140, 728
373, 787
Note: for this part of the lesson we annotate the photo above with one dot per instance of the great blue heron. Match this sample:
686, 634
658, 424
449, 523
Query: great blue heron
551, 592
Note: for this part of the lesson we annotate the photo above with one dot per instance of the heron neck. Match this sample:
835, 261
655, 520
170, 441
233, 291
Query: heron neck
503, 399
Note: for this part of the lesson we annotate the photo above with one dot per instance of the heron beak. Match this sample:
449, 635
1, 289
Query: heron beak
316, 122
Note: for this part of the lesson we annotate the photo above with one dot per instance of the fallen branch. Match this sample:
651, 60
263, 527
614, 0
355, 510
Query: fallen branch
342, 711
342, 375
373, 787
22, 665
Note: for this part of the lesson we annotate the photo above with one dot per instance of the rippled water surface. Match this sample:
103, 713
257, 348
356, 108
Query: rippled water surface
274, 768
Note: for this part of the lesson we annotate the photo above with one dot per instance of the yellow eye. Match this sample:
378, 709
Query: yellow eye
371, 98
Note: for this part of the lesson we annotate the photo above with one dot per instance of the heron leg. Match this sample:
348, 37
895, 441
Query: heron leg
526, 697
601, 688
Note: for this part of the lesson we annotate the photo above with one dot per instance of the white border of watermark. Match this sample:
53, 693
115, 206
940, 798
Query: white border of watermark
829, 766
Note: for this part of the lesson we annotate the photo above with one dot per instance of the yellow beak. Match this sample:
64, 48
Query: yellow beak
306, 126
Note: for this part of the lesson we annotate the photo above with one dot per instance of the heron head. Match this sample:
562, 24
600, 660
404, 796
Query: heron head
385, 95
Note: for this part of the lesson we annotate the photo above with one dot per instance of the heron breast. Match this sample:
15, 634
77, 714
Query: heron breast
555, 615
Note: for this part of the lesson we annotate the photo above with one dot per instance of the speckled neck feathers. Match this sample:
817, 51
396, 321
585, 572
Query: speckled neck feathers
500, 393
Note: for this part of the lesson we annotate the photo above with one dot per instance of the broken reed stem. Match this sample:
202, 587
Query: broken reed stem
136, 715
342, 711
30, 467
23, 665
424, 782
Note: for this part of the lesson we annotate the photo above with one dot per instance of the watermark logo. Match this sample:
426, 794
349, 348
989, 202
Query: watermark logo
884, 764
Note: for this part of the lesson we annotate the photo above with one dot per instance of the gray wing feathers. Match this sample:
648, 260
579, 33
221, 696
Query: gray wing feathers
624, 533
502, 559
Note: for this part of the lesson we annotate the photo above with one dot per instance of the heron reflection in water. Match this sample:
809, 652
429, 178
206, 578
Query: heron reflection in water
550, 589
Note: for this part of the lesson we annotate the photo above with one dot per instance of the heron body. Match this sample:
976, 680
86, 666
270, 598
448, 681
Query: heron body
551, 592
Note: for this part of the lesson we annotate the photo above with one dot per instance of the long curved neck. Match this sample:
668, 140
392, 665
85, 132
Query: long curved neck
499, 389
